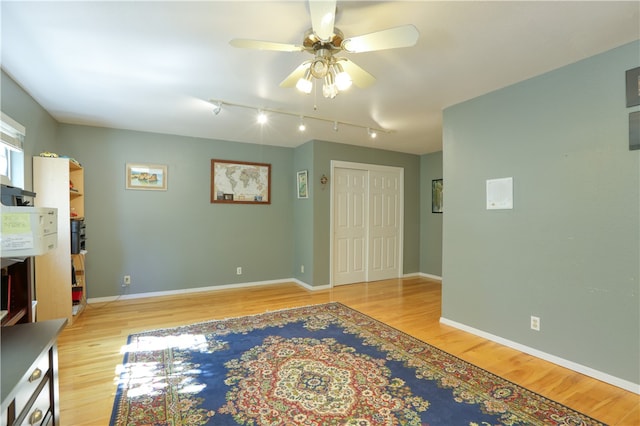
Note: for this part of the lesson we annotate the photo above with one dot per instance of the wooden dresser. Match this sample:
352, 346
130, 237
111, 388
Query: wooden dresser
29, 373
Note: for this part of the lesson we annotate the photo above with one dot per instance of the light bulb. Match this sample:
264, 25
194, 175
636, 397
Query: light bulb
329, 89
304, 84
343, 80
262, 117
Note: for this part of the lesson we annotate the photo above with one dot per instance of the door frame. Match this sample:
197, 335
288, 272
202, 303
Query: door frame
337, 164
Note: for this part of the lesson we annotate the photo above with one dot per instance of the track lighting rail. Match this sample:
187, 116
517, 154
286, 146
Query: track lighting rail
371, 131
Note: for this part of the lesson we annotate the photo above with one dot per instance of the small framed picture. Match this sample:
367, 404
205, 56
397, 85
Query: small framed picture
634, 130
149, 177
302, 184
436, 196
633, 87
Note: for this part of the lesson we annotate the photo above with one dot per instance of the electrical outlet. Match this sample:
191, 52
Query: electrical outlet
127, 280
302, 269
239, 270
535, 323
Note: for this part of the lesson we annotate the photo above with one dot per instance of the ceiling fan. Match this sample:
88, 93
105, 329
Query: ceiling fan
325, 42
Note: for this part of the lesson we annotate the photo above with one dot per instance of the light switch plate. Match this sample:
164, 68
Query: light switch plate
500, 194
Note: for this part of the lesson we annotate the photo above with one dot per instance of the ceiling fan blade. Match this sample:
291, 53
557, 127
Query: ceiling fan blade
296, 75
403, 36
265, 45
359, 76
323, 15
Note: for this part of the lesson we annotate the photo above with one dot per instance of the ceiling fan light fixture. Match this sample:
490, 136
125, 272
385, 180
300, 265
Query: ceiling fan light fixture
304, 84
343, 79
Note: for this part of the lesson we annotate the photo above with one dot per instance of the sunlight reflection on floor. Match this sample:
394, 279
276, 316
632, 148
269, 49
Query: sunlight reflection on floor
153, 378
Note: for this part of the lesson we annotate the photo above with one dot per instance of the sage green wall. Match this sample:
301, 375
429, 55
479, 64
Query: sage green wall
323, 154
569, 250
431, 223
176, 239
41, 127
304, 216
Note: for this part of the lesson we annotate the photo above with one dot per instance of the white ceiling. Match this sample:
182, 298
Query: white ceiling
153, 66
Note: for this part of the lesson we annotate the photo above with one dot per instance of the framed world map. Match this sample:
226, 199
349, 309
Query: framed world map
240, 182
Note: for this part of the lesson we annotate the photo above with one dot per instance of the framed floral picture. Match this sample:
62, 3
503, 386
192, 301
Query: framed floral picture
436, 196
302, 184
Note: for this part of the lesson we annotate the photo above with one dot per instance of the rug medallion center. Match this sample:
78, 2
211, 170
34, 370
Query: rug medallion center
316, 386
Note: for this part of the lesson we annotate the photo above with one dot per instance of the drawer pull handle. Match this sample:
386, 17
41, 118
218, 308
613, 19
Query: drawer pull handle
37, 373
35, 417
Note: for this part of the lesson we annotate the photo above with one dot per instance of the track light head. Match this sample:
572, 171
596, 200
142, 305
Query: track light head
262, 117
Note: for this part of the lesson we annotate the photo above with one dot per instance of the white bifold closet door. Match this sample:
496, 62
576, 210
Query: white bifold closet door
367, 223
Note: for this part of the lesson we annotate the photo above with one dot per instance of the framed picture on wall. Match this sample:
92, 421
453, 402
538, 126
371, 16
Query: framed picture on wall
240, 182
148, 177
633, 87
634, 130
302, 184
436, 196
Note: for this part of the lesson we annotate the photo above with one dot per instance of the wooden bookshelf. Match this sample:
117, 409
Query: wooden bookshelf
59, 183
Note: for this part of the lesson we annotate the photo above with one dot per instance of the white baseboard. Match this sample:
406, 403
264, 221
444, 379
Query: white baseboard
587, 371
225, 287
431, 276
310, 287
422, 275
201, 289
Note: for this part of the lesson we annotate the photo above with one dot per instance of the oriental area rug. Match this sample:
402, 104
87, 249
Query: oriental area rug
316, 365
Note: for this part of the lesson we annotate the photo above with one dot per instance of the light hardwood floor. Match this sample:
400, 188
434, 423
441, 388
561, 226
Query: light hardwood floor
89, 349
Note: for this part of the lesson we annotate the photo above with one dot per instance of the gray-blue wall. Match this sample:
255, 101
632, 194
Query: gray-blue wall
176, 239
569, 251
304, 216
41, 128
430, 223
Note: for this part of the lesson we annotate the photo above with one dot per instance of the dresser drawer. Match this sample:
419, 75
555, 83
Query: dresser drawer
26, 389
40, 409
29, 378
